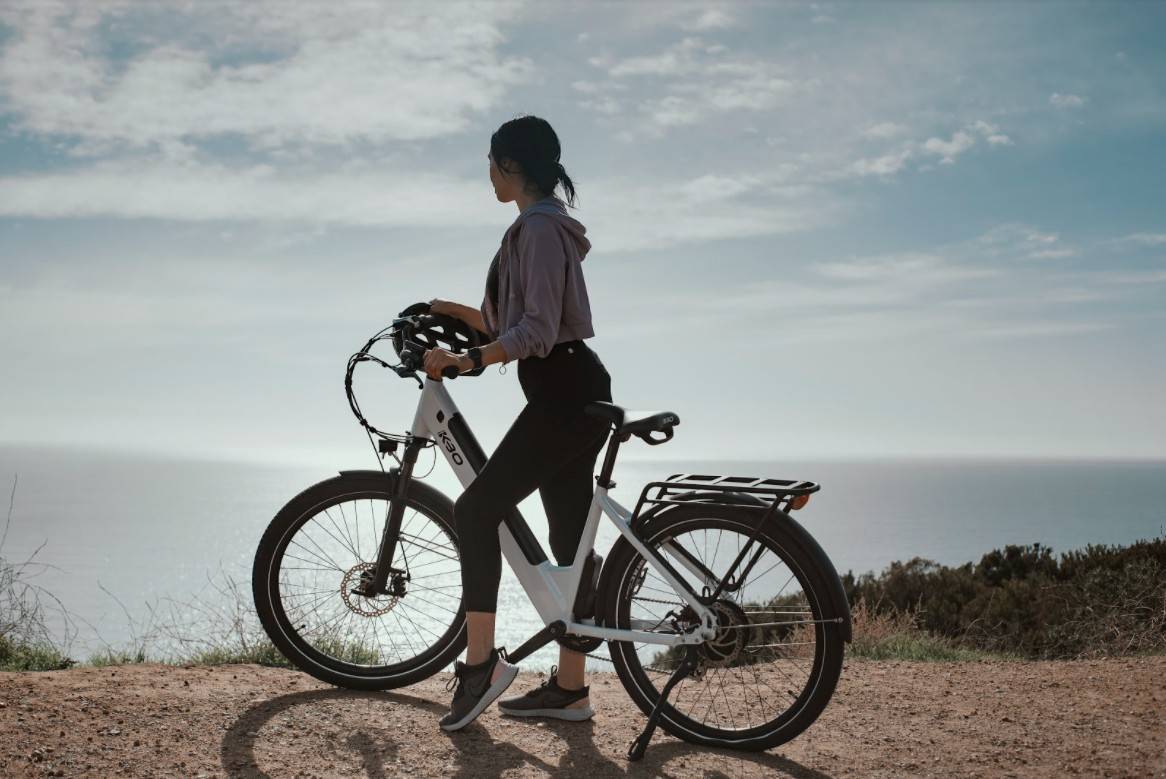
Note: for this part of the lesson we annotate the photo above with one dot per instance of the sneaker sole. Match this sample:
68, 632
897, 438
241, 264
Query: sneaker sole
509, 673
571, 715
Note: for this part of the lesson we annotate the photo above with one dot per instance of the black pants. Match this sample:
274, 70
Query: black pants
551, 446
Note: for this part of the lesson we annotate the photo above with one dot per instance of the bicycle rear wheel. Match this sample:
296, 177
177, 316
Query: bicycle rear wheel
313, 556
777, 656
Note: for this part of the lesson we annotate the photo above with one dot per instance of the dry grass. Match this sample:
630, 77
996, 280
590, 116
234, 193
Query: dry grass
26, 642
896, 635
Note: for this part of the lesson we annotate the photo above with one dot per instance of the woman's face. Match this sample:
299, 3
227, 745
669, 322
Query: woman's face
506, 186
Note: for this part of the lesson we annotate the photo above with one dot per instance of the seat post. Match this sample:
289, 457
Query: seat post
604, 477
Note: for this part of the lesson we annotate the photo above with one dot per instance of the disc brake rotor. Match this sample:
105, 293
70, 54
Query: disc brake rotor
360, 604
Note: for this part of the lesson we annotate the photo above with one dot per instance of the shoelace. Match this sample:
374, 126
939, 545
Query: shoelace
460, 672
457, 680
550, 677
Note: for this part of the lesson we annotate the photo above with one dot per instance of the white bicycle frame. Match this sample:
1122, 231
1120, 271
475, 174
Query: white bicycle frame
552, 588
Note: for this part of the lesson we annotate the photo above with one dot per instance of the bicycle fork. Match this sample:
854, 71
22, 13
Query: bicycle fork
376, 584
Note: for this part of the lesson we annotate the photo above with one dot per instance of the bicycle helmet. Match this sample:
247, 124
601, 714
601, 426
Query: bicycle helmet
430, 331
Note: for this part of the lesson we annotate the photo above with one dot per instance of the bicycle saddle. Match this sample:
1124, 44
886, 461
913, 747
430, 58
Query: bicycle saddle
630, 422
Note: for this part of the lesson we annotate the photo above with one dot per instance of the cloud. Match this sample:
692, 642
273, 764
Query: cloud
886, 165
326, 75
1142, 277
947, 151
711, 19
1058, 100
627, 215
1145, 239
1016, 240
1039, 328
916, 269
1052, 254
699, 81
358, 194
950, 291
991, 133
883, 130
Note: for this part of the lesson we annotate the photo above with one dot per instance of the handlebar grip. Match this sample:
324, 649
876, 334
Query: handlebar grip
449, 372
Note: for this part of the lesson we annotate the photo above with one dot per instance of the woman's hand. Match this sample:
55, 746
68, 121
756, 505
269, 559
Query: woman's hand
439, 306
435, 360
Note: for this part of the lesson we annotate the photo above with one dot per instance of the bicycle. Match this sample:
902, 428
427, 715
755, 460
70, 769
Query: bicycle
357, 579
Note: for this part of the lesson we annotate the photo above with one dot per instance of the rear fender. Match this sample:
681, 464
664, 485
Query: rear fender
810, 547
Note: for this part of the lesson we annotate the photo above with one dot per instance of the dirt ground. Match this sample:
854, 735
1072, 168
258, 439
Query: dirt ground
1099, 718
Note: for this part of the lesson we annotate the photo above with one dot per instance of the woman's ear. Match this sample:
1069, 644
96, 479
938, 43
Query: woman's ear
509, 166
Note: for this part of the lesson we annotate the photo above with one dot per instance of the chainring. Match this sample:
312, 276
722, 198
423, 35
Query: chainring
582, 644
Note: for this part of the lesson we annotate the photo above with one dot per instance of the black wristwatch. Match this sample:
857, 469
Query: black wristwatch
475, 354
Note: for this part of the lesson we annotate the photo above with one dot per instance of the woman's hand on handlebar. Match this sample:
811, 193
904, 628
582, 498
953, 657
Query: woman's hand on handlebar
437, 360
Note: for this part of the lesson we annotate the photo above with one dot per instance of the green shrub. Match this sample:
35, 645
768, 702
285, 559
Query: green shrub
1101, 600
31, 657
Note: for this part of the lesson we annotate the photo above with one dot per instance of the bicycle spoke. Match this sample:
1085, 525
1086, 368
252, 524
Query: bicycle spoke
766, 655
324, 561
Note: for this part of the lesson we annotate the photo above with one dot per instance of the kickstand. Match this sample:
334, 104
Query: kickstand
687, 666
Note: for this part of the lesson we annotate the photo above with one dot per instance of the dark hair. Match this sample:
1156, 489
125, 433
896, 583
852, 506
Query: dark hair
532, 143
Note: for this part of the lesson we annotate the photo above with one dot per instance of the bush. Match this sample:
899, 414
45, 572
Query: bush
1101, 600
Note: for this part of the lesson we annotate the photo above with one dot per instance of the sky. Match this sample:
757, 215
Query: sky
820, 230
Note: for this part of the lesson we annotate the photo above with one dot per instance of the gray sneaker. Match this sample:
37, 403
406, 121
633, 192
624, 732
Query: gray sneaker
474, 691
549, 700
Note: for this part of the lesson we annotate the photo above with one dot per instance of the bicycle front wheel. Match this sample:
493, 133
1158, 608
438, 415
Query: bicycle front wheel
777, 655
315, 553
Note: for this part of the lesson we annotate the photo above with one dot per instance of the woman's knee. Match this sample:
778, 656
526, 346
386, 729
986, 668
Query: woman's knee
474, 513
464, 510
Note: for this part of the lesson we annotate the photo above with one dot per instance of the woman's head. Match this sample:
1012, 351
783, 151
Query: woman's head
524, 157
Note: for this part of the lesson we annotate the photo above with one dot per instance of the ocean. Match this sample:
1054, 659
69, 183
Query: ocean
117, 537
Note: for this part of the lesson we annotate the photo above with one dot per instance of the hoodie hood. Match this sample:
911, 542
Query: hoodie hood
569, 227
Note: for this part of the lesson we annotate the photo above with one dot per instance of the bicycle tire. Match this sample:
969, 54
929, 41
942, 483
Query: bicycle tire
806, 563
348, 486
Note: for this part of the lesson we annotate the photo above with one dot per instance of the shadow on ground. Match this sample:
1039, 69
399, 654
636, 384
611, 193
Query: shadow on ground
473, 743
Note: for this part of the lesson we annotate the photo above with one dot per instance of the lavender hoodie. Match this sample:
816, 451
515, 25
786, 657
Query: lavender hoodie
542, 298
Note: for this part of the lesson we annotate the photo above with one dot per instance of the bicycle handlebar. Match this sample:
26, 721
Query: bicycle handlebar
413, 356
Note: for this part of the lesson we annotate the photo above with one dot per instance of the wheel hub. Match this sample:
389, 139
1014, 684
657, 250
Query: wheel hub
356, 578
732, 634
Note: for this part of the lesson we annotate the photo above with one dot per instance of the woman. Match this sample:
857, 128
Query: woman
537, 311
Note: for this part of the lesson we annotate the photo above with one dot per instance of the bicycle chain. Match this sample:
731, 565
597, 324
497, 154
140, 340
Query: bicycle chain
657, 600
647, 668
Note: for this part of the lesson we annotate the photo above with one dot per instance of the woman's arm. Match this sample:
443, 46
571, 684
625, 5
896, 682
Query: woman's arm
542, 275
438, 358
471, 316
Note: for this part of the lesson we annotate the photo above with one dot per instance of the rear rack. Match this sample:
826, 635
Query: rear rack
672, 489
